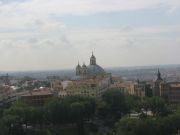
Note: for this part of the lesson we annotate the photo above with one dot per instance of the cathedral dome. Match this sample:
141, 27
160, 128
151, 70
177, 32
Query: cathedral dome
95, 70
88, 71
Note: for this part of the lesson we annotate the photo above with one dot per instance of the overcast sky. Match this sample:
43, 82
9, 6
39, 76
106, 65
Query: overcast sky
56, 34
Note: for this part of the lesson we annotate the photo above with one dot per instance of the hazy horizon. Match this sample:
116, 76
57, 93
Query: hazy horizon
106, 68
55, 35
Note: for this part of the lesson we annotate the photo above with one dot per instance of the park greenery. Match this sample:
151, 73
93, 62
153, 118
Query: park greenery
115, 113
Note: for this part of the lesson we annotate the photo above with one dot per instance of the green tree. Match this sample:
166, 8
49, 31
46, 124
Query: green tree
12, 125
129, 126
112, 106
126, 126
3, 127
157, 106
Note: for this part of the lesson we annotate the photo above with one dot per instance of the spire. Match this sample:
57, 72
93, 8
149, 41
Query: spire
7, 82
78, 69
159, 75
159, 72
78, 65
138, 81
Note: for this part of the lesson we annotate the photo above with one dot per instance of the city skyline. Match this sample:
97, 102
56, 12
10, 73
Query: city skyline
47, 35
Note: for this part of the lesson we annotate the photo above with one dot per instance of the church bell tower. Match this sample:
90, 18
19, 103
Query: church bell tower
93, 60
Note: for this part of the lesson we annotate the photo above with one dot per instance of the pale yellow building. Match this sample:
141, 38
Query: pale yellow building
124, 86
56, 85
87, 87
170, 91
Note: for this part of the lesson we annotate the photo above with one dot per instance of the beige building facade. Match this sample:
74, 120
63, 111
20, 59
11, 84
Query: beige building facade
87, 87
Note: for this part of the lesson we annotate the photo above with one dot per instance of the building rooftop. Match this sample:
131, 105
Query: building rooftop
175, 85
38, 92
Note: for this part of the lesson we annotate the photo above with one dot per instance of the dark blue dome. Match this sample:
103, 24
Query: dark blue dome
95, 70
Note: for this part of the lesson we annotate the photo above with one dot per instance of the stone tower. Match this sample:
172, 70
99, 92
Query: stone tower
78, 69
93, 60
84, 70
159, 80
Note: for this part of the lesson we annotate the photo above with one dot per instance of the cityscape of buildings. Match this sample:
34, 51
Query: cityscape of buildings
88, 81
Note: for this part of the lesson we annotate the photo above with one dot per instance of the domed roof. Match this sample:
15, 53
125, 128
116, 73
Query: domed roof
95, 70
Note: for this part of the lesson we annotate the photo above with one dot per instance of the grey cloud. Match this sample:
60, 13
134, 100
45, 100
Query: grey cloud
6, 44
127, 28
92, 44
130, 43
33, 40
67, 43
11, 1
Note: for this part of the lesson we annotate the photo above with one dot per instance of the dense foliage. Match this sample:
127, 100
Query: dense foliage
109, 114
150, 126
